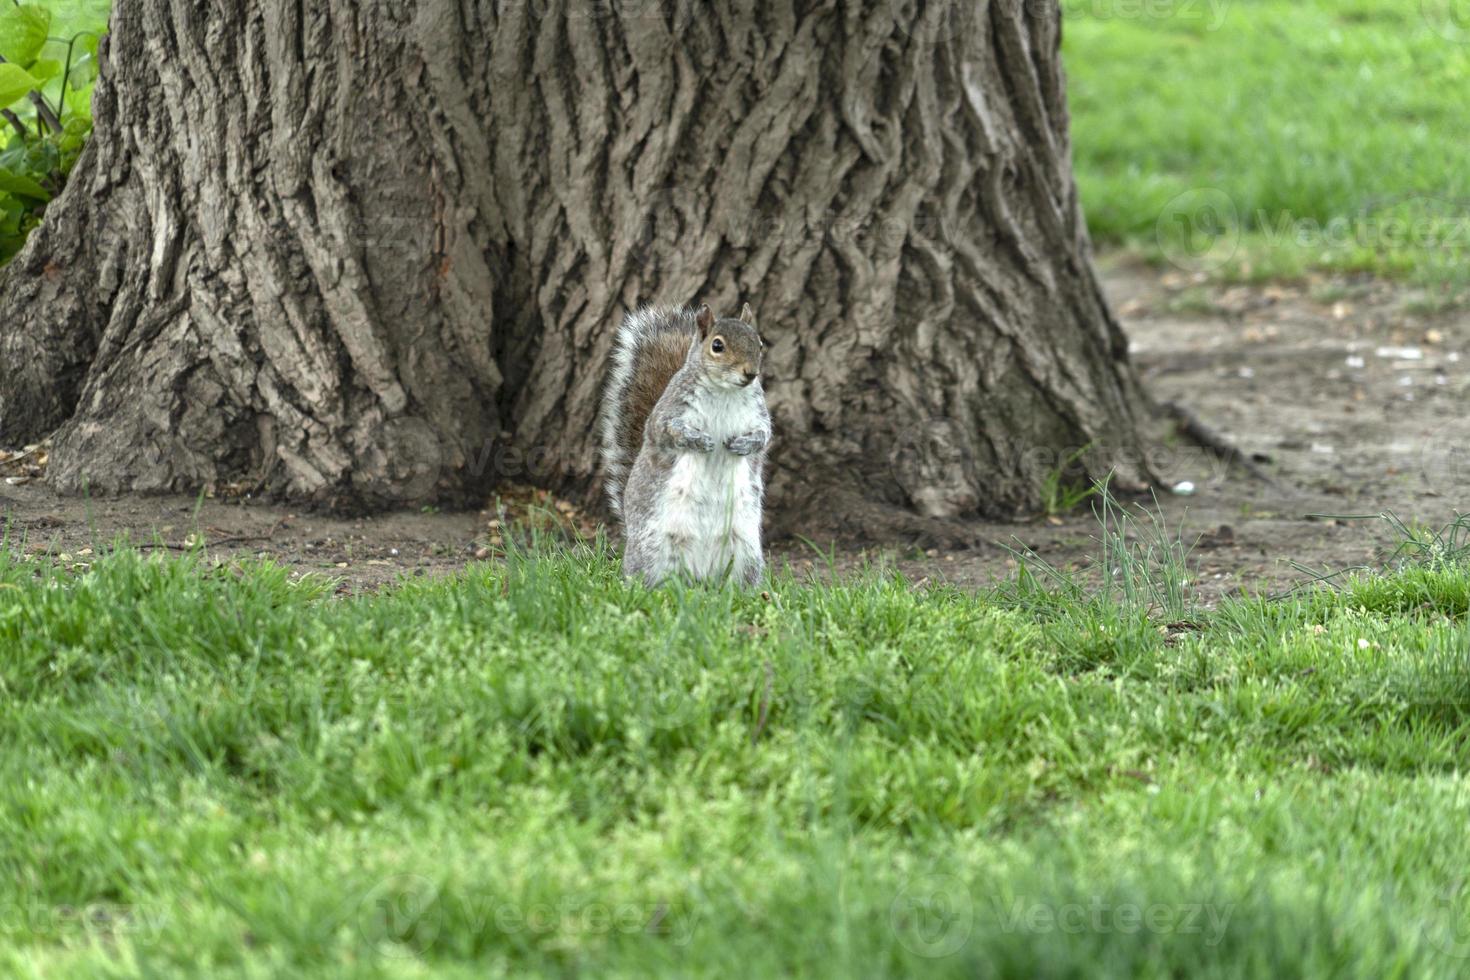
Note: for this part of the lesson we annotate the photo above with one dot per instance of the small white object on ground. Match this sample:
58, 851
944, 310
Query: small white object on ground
1184, 488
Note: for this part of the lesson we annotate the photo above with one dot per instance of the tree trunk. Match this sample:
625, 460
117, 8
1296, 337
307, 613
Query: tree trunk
370, 254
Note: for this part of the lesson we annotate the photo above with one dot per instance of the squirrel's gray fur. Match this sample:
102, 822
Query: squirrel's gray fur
684, 432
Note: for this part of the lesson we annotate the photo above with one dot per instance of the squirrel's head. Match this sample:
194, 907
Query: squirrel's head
730, 349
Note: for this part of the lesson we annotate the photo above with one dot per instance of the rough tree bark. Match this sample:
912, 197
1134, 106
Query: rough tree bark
372, 253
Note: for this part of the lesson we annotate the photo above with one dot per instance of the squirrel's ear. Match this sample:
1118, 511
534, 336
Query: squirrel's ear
747, 315
704, 319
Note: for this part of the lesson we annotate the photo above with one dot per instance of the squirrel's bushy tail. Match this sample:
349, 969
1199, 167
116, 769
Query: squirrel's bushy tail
651, 345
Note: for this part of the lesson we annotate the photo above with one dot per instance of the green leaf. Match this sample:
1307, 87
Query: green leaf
45, 69
83, 72
79, 104
19, 185
38, 156
15, 82
23, 31
12, 215
71, 140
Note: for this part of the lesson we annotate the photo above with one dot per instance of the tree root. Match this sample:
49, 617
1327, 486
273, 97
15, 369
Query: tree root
1204, 436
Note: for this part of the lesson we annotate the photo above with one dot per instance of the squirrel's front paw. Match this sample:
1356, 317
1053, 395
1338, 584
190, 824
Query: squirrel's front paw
746, 443
678, 435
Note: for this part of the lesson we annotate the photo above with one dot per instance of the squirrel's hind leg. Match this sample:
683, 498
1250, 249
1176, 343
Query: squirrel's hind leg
649, 557
751, 575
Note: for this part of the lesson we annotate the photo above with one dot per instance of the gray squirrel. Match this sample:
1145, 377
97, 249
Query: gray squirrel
684, 435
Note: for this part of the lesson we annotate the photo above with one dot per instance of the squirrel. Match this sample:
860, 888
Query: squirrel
684, 434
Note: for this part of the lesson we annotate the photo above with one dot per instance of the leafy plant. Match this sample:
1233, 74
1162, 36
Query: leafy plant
46, 109
1059, 495
1143, 568
1420, 547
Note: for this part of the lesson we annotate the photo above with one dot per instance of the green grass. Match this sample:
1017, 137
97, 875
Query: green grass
1330, 128
536, 768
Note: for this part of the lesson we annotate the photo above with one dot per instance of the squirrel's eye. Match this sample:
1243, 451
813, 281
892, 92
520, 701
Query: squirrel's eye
717, 345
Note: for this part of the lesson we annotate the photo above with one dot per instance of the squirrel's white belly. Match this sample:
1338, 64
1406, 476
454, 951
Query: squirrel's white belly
710, 514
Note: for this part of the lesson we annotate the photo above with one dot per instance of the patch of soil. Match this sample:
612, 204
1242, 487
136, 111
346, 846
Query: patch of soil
1347, 395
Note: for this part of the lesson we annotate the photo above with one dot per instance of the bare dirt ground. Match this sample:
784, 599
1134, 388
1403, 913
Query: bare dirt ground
1348, 395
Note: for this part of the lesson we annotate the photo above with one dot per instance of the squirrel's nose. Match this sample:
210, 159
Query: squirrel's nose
751, 376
